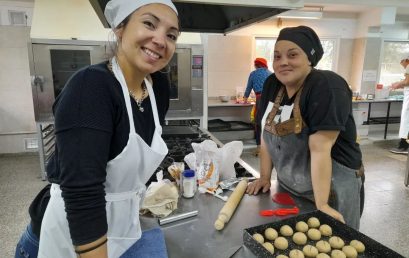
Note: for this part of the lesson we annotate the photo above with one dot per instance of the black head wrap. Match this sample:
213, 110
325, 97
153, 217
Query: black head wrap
306, 39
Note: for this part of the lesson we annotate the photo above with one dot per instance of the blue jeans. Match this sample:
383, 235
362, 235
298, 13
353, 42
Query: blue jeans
27, 247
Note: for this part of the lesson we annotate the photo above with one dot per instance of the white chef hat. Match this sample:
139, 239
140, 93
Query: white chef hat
405, 57
117, 10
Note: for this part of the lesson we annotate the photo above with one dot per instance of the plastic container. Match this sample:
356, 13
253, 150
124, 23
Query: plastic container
188, 183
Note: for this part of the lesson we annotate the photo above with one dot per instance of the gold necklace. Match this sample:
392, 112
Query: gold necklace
138, 101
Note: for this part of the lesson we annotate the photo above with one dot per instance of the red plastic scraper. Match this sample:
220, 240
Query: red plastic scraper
283, 198
280, 212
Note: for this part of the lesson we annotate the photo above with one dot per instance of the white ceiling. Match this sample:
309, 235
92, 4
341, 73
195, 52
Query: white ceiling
346, 6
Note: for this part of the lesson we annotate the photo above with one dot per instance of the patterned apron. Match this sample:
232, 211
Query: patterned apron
287, 143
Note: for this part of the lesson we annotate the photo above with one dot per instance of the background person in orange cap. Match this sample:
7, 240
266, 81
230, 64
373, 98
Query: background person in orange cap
255, 83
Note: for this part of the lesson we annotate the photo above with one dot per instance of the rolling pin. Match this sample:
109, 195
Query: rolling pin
230, 206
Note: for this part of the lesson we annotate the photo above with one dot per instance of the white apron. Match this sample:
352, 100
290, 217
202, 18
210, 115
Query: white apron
127, 174
404, 118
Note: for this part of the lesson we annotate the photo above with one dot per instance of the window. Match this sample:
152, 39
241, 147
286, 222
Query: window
391, 70
265, 48
17, 18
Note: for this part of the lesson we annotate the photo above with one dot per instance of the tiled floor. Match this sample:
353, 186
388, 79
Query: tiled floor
384, 219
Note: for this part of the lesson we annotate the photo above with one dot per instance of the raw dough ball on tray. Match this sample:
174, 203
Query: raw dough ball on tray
349, 251
322, 255
269, 247
281, 243
310, 251
337, 254
300, 238
358, 245
258, 237
313, 222
295, 253
336, 242
301, 226
282, 256
325, 230
286, 230
314, 234
271, 233
323, 246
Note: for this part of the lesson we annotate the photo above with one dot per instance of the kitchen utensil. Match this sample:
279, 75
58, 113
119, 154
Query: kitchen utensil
215, 194
283, 198
280, 212
176, 217
230, 206
224, 98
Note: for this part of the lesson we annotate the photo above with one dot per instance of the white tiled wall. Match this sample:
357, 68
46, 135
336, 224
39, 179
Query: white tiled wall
229, 64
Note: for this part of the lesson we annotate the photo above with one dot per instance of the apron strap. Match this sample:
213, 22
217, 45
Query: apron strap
153, 105
270, 118
298, 121
120, 77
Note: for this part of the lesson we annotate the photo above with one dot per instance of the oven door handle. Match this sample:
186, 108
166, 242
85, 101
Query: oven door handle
38, 81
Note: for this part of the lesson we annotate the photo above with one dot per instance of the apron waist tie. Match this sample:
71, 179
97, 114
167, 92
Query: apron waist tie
114, 197
109, 197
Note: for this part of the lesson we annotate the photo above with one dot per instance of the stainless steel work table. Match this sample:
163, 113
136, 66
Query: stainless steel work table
375, 101
196, 236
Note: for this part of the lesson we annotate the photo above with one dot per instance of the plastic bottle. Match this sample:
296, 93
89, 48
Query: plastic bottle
189, 183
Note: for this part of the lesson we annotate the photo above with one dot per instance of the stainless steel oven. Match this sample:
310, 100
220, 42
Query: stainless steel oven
186, 82
53, 62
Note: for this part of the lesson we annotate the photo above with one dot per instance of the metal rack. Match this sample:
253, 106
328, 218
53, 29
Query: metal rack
46, 144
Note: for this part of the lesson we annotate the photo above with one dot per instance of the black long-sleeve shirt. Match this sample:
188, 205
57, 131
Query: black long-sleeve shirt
92, 128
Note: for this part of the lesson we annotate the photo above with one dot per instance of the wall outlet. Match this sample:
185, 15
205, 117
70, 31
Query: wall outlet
30, 143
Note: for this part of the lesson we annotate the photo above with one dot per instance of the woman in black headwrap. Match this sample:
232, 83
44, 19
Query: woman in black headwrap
309, 133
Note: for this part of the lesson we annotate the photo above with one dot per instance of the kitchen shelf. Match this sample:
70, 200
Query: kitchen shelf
46, 145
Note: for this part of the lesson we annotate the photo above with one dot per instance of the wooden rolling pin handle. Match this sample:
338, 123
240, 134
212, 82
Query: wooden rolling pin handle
230, 206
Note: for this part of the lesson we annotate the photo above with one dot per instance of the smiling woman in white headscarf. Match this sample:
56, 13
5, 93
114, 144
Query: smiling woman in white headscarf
108, 140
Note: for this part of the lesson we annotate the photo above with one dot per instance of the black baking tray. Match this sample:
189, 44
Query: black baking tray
373, 249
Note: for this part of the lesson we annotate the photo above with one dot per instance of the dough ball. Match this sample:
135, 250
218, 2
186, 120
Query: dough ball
296, 254
337, 254
301, 226
358, 245
314, 234
269, 247
349, 251
271, 233
310, 251
322, 255
259, 238
313, 222
300, 238
325, 230
281, 243
336, 242
286, 230
282, 256
323, 246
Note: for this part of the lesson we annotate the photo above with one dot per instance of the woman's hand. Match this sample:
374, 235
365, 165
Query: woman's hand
395, 86
332, 212
257, 185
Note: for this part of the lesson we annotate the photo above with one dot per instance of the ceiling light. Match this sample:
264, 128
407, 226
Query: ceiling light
302, 14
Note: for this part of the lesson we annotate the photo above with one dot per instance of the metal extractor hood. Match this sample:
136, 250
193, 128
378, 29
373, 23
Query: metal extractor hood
218, 16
